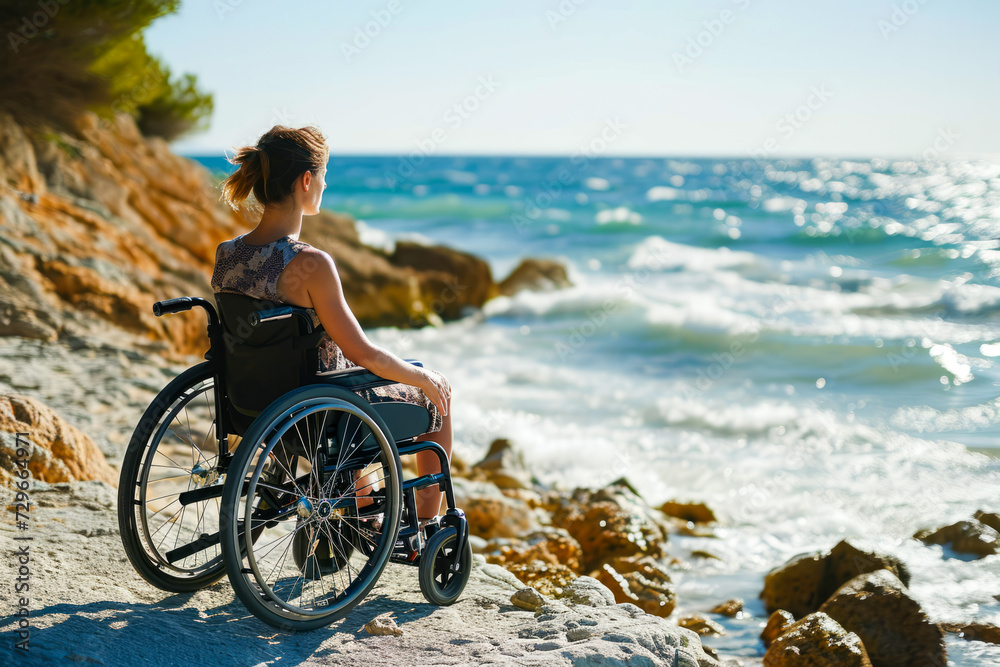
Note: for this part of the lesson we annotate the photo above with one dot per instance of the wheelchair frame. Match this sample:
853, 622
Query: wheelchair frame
406, 531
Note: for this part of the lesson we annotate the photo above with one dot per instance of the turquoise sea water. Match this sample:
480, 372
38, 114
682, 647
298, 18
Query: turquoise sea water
812, 347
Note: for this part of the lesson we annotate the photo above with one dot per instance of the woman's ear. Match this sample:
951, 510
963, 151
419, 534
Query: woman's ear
306, 180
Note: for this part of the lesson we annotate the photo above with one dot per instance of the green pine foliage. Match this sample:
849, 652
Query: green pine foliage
62, 56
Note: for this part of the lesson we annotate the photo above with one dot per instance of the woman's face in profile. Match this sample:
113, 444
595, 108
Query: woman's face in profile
315, 194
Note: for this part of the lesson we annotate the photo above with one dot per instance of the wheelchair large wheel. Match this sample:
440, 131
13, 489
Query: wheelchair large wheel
171, 538
325, 533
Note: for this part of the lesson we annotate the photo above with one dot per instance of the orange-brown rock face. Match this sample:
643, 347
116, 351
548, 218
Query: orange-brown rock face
895, 630
817, 641
610, 522
641, 581
548, 561
58, 452
99, 226
805, 582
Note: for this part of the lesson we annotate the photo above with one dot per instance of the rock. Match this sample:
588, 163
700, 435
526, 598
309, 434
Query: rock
728, 608
802, 584
588, 591
383, 624
983, 632
59, 452
817, 641
548, 559
451, 278
779, 621
610, 522
689, 511
701, 624
490, 513
527, 598
639, 581
967, 537
989, 518
895, 630
535, 275
504, 466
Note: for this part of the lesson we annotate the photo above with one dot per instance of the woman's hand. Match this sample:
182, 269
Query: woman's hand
436, 388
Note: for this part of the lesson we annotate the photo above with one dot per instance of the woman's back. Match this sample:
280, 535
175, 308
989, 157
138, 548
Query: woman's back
243, 268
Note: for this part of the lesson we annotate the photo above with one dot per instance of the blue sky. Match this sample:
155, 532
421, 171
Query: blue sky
774, 77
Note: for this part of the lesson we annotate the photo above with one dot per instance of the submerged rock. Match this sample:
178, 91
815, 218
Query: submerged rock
728, 608
689, 511
817, 641
895, 630
982, 632
967, 537
701, 624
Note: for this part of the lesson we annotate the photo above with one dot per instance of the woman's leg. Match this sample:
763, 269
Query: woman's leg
429, 498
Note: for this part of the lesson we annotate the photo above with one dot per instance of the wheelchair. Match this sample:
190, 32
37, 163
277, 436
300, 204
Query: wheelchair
253, 465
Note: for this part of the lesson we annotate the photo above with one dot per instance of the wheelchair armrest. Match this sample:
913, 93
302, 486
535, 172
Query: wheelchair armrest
358, 378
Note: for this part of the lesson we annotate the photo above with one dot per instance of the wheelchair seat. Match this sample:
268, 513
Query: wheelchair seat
271, 348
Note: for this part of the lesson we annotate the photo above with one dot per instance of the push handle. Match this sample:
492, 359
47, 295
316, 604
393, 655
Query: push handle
170, 306
262, 316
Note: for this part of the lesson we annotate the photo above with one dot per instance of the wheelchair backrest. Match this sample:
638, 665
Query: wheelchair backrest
262, 360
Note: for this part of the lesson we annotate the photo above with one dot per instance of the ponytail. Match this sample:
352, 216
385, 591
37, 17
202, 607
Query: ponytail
268, 171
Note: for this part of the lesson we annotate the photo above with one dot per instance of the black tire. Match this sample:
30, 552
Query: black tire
171, 451
439, 585
309, 590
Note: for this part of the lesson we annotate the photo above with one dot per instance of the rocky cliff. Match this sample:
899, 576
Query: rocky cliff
99, 224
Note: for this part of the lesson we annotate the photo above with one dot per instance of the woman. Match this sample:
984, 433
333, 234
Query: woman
285, 171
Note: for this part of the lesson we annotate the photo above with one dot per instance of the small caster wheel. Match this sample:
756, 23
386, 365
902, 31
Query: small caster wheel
439, 584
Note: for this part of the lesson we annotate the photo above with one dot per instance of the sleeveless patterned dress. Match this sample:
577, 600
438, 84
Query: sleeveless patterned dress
241, 268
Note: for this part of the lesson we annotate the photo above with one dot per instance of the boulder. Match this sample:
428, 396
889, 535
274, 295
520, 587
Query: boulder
547, 559
989, 518
490, 513
730, 608
688, 511
802, 584
527, 598
535, 275
982, 632
817, 641
451, 279
609, 523
966, 537
58, 451
588, 591
779, 621
895, 630
504, 466
640, 581
701, 624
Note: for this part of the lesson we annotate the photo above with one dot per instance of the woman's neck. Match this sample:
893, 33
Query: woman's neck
276, 223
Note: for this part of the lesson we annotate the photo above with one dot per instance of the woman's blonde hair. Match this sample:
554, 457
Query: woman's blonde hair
269, 169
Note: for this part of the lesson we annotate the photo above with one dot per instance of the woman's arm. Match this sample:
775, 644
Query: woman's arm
313, 276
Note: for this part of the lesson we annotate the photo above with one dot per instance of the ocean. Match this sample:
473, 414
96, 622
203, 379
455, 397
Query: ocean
810, 346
